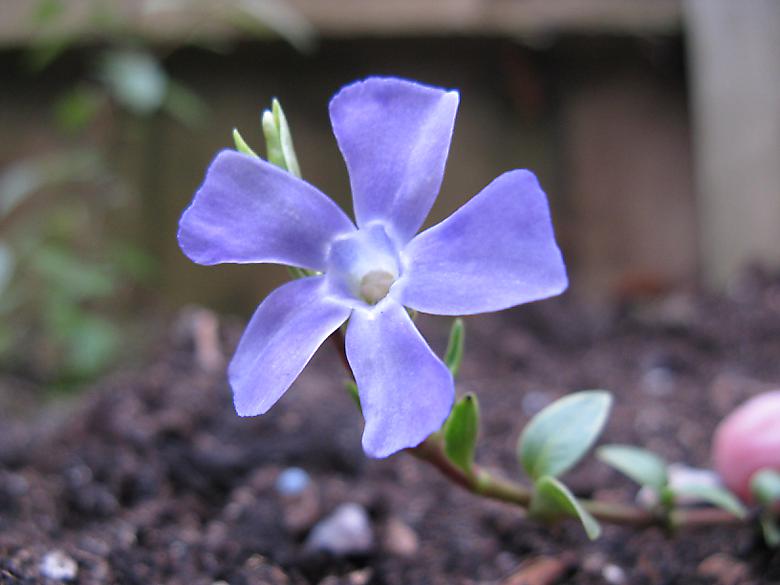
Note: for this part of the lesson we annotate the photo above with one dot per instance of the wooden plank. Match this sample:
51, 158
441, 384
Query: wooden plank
182, 20
629, 186
735, 62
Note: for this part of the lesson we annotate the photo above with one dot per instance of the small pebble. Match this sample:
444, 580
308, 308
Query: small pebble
400, 539
58, 566
613, 574
347, 531
359, 577
292, 481
594, 563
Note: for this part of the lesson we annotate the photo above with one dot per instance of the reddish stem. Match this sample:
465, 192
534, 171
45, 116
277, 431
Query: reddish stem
485, 484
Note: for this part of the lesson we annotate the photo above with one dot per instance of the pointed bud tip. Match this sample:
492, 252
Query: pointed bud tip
268, 118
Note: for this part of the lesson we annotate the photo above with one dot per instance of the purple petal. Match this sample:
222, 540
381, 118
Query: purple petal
285, 331
495, 252
406, 392
248, 210
395, 136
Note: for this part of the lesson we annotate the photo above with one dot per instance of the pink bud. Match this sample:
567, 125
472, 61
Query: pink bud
747, 440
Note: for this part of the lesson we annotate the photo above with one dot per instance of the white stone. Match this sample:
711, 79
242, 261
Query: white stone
58, 566
347, 531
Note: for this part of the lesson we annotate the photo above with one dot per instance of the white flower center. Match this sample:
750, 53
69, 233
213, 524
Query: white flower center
363, 266
375, 285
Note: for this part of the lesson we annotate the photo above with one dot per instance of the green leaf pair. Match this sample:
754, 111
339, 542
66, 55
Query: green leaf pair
553, 442
462, 427
650, 470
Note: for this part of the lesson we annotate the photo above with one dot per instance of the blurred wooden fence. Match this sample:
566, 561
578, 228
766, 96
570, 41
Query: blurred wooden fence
735, 69
589, 93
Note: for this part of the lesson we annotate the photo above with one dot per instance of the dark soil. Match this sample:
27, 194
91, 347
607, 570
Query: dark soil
153, 479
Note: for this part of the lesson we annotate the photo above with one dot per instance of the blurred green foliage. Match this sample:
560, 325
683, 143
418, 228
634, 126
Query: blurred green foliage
68, 277
65, 277
61, 274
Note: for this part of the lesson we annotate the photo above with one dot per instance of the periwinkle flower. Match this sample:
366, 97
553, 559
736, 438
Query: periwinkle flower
496, 251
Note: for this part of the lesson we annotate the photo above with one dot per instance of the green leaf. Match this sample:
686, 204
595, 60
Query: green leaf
719, 497
771, 530
765, 485
353, 392
553, 499
460, 432
136, 79
643, 466
666, 497
273, 145
241, 145
454, 354
92, 343
47, 50
77, 108
560, 435
132, 262
72, 277
23, 179
278, 140
280, 152
47, 11
285, 139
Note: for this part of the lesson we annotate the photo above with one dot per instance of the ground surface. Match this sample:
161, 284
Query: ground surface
153, 479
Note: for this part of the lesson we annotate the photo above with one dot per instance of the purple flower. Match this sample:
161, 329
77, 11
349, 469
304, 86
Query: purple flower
495, 252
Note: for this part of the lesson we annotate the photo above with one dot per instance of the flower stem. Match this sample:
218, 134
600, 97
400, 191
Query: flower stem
487, 485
